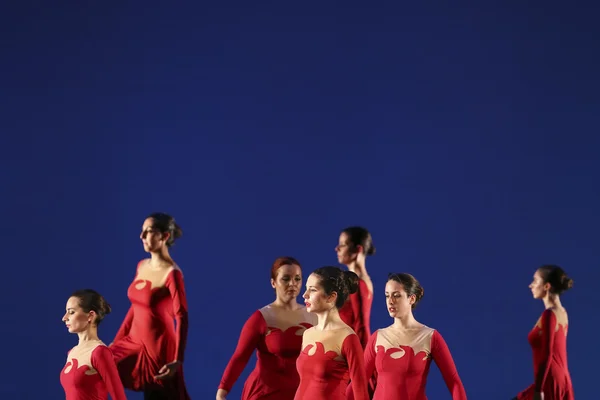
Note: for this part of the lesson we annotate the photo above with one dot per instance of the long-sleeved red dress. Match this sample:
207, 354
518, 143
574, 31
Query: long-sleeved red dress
148, 339
402, 362
91, 374
276, 335
356, 312
548, 340
327, 362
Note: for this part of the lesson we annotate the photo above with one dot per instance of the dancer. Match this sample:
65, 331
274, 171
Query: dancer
331, 352
355, 244
90, 371
275, 332
548, 338
402, 353
148, 349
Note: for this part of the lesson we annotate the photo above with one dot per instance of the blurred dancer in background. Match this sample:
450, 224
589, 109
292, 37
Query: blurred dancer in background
355, 244
90, 371
148, 348
548, 338
275, 332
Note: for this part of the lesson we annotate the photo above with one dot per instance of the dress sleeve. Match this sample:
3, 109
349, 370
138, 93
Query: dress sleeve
361, 305
125, 326
352, 351
443, 359
252, 332
104, 363
548, 322
369, 362
180, 311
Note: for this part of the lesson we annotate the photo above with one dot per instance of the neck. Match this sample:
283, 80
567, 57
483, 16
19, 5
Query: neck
328, 319
405, 322
358, 266
88, 335
160, 257
288, 305
552, 301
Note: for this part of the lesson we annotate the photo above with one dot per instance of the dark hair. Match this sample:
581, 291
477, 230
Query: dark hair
280, 262
359, 236
556, 277
334, 279
90, 300
410, 284
164, 223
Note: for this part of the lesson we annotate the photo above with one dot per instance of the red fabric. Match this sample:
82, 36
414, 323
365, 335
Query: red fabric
356, 312
275, 376
148, 339
551, 372
79, 383
323, 376
406, 377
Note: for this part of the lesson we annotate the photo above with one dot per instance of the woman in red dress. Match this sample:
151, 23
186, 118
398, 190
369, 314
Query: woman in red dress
548, 338
355, 244
331, 353
402, 353
275, 332
90, 372
149, 348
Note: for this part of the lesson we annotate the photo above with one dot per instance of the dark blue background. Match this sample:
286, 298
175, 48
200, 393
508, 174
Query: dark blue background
465, 137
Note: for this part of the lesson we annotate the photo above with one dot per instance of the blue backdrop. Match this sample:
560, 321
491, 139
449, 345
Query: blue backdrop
464, 138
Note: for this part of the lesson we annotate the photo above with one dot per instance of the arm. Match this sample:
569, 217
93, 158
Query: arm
104, 363
180, 309
362, 307
443, 359
369, 363
252, 332
125, 326
352, 351
549, 322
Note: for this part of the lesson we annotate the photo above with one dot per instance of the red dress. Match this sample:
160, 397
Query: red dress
277, 338
327, 362
548, 340
148, 339
402, 362
92, 375
356, 312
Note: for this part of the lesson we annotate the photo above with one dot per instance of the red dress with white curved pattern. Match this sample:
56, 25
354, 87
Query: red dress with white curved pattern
277, 338
148, 338
548, 340
402, 362
328, 361
92, 375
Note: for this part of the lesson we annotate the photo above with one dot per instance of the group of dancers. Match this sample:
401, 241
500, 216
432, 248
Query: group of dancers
320, 350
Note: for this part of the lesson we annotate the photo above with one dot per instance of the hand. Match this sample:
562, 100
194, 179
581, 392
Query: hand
168, 370
538, 396
221, 393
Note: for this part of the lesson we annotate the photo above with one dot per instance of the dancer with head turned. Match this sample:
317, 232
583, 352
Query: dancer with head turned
402, 353
548, 338
275, 333
331, 353
354, 245
150, 345
90, 371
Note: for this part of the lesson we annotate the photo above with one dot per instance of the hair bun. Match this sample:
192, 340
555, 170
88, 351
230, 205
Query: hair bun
351, 280
566, 282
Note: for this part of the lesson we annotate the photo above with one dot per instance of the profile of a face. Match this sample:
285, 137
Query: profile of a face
75, 318
538, 287
315, 298
344, 249
152, 239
